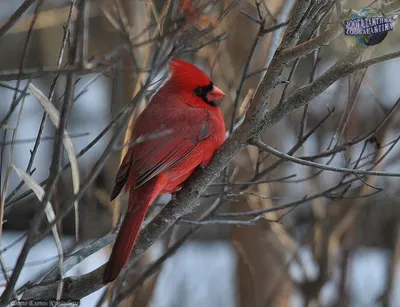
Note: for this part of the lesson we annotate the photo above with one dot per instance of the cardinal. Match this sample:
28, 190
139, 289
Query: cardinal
186, 106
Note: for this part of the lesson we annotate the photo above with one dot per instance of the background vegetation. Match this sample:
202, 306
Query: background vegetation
302, 192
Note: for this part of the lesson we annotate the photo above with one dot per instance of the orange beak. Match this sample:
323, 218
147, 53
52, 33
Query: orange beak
215, 94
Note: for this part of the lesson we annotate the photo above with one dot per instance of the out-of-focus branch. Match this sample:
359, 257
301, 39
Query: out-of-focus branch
258, 214
360, 138
27, 73
10, 203
15, 16
54, 171
276, 36
77, 257
307, 47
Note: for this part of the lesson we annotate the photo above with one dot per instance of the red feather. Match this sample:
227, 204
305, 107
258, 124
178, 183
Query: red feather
184, 106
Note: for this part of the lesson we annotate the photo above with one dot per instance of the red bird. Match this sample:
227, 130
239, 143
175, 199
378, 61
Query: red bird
184, 105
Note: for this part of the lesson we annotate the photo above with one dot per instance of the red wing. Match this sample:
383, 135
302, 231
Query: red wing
122, 175
155, 156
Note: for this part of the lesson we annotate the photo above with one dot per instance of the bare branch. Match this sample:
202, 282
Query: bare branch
15, 16
286, 157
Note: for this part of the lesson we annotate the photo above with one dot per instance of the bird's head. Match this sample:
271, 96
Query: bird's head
191, 79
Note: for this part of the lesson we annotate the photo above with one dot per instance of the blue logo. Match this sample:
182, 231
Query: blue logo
369, 26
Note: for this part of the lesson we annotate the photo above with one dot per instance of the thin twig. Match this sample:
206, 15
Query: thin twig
286, 157
53, 178
15, 16
50, 97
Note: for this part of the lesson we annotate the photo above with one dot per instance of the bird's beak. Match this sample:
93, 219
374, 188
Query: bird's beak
215, 94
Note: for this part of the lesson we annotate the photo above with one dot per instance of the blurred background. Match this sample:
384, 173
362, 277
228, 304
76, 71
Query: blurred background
338, 249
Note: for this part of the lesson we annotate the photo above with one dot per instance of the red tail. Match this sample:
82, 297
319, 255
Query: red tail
139, 201
123, 246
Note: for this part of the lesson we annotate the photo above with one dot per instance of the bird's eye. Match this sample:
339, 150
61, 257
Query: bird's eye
199, 91
202, 91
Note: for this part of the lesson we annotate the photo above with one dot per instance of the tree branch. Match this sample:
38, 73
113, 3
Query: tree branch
15, 16
286, 157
